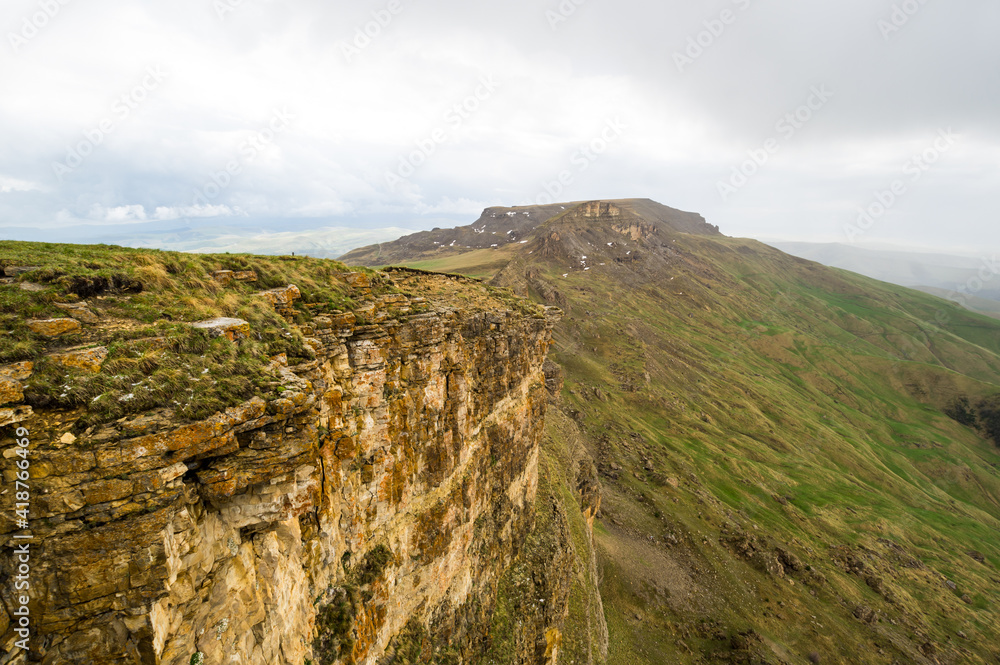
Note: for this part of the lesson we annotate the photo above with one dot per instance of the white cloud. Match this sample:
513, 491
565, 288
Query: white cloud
126, 213
8, 185
195, 211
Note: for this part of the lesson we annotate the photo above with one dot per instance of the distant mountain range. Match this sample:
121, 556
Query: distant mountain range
971, 281
271, 237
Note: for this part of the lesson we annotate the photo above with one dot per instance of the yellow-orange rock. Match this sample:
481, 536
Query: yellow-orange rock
88, 360
10, 390
19, 371
283, 299
53, 327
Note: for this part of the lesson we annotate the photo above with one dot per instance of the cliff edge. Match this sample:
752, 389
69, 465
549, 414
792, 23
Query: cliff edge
353, 497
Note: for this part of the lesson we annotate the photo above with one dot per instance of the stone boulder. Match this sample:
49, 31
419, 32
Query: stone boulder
53, 327
11, 390
227, 277
232, 329
79, 311
359, 281
18, 371
88, 360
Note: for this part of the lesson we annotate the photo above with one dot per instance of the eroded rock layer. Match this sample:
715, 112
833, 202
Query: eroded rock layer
367, 510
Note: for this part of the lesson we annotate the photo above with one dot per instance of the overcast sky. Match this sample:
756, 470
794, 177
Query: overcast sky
773, 118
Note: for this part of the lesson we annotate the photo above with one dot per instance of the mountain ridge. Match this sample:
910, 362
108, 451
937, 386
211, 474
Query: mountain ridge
501, 227
781, 481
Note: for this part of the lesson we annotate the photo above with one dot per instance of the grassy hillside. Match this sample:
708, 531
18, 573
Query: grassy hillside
780, 481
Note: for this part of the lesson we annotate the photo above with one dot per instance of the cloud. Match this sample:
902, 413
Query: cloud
8, 185
195, 211
409, 96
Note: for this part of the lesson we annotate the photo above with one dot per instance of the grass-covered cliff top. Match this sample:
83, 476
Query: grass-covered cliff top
131, 347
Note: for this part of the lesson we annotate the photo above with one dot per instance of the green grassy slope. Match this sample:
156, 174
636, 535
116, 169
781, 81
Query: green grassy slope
780, 482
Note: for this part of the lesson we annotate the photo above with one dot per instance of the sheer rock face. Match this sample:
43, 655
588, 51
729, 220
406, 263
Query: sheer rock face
414, 439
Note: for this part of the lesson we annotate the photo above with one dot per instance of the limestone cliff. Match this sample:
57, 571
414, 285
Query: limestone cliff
364, 511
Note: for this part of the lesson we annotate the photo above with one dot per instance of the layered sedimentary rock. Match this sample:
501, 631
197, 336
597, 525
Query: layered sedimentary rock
365, 511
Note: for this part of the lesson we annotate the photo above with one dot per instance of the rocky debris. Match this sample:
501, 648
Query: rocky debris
977, 556
89, 359
53, 327
30, 286
283, 299
231, 329
80, 311
227, 277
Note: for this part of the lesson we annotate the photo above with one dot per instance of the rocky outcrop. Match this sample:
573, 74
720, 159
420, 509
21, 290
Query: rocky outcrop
283, 299
369, 506
227, 277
